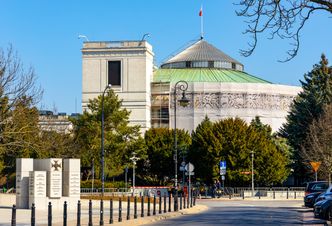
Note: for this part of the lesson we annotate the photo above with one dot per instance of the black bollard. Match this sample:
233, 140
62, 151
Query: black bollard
154, 205
65, 214
14, 215
180, 201
90, 213
165, 203
33, 215
120, 210
169, 202
149, 214
142, 206
294, 194
175, 203
287, 192
128, 208
230, 196
101, 219
111, 211
274, 194
259, 194
184, 200
242, 194
49, 218
78, 213
135, 207
194, 200
160, 203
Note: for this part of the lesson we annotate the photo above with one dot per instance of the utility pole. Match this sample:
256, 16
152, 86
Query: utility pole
252, 174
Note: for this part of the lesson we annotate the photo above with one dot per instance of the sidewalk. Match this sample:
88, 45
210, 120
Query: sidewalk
24, 215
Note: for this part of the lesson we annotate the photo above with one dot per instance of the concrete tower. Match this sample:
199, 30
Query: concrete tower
128, 67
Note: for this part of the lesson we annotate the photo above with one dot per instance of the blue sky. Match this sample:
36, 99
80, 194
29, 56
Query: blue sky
45, 34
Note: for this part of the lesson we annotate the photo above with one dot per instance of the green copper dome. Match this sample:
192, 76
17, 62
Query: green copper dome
202, 62
204, 75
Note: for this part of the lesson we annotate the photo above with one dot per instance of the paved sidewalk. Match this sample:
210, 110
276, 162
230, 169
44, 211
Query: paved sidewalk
24, 215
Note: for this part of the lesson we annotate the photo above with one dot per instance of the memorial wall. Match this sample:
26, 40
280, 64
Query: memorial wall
41, 181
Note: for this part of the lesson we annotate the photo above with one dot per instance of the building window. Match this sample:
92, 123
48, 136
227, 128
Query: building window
188, 64
114, 73
233, 66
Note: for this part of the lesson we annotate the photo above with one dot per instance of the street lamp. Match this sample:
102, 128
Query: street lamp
101, 222
252, 174
182, 86
102, 142
134, 159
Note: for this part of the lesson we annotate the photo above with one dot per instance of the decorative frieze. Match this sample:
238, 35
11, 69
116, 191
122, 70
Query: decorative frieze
216, 100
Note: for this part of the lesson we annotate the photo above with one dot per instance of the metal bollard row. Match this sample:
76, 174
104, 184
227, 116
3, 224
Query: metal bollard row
177, 206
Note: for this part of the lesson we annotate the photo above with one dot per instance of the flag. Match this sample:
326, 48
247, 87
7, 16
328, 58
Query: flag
201, 12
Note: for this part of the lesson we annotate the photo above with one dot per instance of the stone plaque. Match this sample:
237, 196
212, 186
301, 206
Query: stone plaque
55, 184
37, 184
74, 184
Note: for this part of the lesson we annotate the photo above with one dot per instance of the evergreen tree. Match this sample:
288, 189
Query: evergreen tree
306, 107
158, 167
119, 137
233, 140
205, 151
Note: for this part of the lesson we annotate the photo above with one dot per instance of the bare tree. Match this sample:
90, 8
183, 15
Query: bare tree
282, 18
15, 81
318, 145
18, 95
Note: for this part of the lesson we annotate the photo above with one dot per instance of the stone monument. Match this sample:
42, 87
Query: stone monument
41, 181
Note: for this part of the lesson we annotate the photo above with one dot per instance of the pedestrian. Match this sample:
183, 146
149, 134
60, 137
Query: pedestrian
214, 189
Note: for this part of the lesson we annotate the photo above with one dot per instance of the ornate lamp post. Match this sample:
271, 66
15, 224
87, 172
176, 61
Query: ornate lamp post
134, 159
182, 86
102, 155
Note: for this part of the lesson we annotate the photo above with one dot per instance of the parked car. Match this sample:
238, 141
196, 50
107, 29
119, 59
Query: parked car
322, 209
316, 186
325, 195
310, 199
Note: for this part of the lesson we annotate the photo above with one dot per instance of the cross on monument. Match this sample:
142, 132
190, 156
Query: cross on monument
56, 165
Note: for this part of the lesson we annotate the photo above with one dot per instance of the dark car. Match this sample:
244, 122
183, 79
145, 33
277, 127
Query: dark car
310, 199
316, 186
325, 195
322, 209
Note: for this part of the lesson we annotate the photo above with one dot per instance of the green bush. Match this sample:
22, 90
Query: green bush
97, 184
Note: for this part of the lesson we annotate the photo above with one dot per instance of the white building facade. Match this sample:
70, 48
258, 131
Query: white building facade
218, 87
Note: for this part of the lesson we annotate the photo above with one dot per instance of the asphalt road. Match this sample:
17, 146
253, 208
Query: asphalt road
250, 212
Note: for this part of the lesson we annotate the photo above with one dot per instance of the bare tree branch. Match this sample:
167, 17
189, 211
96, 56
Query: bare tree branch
318, 145
284, 19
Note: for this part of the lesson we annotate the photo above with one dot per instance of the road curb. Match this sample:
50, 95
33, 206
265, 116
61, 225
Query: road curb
151, 219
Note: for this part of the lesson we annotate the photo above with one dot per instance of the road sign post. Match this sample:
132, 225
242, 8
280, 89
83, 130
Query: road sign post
222, 167
190, 170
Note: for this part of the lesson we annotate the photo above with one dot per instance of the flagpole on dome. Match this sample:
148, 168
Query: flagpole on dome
201, 16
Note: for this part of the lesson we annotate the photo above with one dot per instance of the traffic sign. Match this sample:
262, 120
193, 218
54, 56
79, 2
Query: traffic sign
191, 173
222, 171
222, 165
189, 167
222, 177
